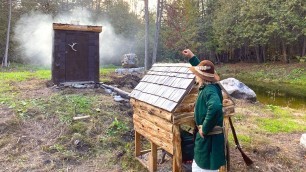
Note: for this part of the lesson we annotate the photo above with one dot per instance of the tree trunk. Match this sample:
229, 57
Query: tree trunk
284, 47
4, 62
158, 23
304, 47
202, 1
98, 5
146, 65
247, 53
217, 58
290, 54
257, 54
264, 53
240, 55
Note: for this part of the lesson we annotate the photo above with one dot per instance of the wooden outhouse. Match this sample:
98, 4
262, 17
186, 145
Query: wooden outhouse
75, 53
163, 102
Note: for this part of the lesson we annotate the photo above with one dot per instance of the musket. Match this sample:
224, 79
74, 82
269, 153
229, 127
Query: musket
246, 159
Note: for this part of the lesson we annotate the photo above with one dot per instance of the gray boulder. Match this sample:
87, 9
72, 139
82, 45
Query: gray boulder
129, 60
238, 89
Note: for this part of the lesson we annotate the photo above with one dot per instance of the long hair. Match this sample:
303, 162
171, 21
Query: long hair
200, 81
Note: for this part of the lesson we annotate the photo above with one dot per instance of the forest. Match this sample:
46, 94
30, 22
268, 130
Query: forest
86, 126
220, 30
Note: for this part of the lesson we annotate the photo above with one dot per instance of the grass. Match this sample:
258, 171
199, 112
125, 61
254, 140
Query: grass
108, 131
282, 121
106, 71
104, 131
281, 125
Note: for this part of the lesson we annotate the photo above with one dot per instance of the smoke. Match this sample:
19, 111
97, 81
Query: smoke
34, 34
112, 46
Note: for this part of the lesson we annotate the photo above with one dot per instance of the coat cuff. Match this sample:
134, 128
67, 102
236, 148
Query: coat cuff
194, 61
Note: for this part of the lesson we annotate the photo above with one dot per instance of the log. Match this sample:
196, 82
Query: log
166, 146
185, 108
160, 122
153, 158
177, 116
189, 123
152, 129
177, 151
228, 110
80, 117
137, 144
187, 120
190, 98
194, 90
148, 150
151, 109
227, 102
120, 92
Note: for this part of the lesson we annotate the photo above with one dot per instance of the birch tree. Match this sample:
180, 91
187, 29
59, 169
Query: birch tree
160, 5
4, 62
146, 61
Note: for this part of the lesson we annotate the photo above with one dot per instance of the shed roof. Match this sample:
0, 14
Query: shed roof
165, 85
61, 26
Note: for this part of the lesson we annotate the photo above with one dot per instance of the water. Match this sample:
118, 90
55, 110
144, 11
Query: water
270, 95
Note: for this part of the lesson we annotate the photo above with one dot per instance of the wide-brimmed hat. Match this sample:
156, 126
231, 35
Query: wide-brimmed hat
205, 70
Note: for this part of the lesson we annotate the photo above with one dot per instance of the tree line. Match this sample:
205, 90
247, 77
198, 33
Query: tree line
237, 30
219, 30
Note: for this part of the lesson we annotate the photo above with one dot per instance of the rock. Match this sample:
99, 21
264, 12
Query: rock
108, 91
129, 60
118, 98
78, 86
238, 89
303, 141
125, 71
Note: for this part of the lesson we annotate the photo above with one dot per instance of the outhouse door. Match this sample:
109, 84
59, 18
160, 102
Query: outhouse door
76, 61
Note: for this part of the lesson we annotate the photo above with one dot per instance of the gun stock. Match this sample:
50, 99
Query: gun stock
246, 159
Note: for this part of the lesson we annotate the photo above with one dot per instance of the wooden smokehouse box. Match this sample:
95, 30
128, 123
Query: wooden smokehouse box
75, 53
163, 102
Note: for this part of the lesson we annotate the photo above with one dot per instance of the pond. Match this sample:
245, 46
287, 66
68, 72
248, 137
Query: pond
272, 95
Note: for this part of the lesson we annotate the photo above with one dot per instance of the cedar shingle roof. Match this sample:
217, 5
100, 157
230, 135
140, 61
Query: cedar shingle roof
165, 85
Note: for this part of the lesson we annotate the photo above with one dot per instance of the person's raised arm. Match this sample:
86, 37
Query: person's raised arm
193, 60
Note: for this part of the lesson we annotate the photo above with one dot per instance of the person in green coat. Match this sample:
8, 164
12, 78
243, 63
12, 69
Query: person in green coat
209, 148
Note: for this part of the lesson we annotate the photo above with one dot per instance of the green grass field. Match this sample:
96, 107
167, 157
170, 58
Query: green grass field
108, 134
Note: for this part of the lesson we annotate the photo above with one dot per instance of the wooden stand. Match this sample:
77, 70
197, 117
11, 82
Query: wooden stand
161, 133
159, 120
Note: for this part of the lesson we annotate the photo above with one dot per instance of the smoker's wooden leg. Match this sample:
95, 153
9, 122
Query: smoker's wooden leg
153, 158
177, 153
137, 144
226, 167
222, 169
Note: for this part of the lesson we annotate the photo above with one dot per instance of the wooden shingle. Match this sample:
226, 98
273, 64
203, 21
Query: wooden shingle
165, 85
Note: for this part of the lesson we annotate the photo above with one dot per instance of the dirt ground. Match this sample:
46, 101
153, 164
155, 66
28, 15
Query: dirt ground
23, 143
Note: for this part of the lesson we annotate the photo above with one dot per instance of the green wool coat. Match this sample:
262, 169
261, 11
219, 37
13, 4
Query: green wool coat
209, 152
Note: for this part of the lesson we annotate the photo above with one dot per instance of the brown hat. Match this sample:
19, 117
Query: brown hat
205, 70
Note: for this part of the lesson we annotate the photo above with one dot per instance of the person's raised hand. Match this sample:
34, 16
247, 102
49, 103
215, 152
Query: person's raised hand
187, 53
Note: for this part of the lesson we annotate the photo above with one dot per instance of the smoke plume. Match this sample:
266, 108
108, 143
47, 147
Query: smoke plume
34, 34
